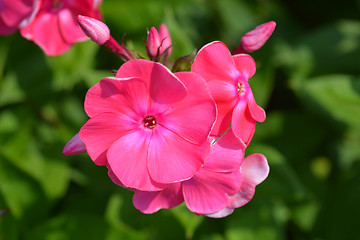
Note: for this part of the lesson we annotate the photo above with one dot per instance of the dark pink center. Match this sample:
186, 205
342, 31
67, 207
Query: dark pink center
56, 4
149, 122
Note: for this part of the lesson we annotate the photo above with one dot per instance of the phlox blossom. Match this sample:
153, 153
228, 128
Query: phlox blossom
227, 77
148, 125
15, 14
55, 28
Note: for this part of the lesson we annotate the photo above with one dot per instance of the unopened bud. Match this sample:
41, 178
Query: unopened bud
74, 146
256, 38
96, 30
153, 43
165, 39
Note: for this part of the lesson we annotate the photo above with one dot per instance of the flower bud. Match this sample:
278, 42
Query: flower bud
165, 39
74, 146
96, 30
153, 43
256, 38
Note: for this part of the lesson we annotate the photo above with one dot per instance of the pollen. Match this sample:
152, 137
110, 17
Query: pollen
149, 122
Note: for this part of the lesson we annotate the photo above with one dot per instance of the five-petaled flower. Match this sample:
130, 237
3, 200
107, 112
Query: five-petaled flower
148, 125
227, 77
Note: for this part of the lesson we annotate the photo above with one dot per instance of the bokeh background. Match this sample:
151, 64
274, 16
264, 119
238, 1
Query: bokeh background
308, 80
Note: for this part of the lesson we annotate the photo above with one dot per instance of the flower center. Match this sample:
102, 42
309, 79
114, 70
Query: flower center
149, 122
240, 88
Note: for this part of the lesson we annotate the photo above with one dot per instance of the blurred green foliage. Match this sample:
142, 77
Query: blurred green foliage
308, 80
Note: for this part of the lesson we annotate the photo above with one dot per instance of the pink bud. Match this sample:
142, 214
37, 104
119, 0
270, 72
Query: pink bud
74, 146
256, 38
153, 43
94, 29
165, 39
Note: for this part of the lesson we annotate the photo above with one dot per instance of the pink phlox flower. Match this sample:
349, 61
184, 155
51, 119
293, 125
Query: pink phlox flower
149, 125
227, 77
15, 14
158, 43
256, 38
254, 170
55, 28
209, 190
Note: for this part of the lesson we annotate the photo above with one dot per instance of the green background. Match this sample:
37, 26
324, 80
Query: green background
308, 81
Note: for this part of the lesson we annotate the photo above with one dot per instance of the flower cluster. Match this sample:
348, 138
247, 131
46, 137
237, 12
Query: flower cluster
51, 24
175, 137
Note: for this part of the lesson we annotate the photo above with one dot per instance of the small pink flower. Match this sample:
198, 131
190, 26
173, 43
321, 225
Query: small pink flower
158, 43
74, 146
96, 30
227, 77
55, 28
15, 14
256, 38
148, 125
254, 170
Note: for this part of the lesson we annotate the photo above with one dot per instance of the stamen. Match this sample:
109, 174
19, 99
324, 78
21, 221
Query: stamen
149, 122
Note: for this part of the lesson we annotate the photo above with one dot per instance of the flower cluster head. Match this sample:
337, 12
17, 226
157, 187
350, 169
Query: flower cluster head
174, 137
51, 24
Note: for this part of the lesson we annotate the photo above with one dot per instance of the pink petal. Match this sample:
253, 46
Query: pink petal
101, 131
242, 122
127, 158
222, 91
74, 146
255, 169
44, 31
256, 111
224, 115
245, 64
226, 154
173, 159
69, 27
128, 96
222, 213
165, 88
193, 117
214, 61
207, 192
150, 202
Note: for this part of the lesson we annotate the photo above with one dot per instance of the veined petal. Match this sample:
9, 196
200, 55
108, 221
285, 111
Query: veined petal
207, 192
254, 169
128, 96
214, 61
193, 117
164, 87
226, 154
242, 122
150, 202
101, 131
127, 158
172, 158
69, 27
245, 64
